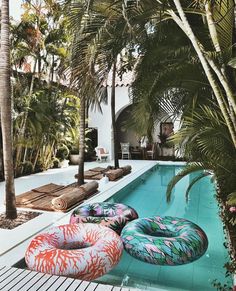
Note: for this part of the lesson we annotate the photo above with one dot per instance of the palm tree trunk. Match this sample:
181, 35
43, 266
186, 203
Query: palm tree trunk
81, 141
36, 157
183, 23
113, 116
6, 121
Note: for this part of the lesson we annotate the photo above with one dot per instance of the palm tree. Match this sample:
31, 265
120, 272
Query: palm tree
95, 53
6, 122
113, 116
219, 16
81, 141
41, 38
206, 144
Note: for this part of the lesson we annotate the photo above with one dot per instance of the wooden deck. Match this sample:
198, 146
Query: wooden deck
22, 280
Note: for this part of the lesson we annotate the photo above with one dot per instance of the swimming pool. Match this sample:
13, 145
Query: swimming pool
147, 196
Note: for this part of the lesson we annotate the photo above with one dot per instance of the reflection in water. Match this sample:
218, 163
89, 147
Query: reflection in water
125, 280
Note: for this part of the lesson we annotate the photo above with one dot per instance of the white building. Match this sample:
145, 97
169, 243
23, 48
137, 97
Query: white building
102, 122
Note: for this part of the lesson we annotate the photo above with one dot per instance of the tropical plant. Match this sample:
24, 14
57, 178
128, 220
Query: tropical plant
39, 47
52, 117
62, 152
203, 138
94, 50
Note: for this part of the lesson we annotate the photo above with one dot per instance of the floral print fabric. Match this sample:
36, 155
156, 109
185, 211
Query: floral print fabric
112, 215
164, 240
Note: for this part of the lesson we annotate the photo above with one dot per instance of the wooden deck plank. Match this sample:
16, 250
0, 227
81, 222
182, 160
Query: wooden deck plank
57, 284
17, 280
44, 278
92, 286
19, 285
74, 285
52, 280
66, 284
30, 283
7, 273
102, 287
4, 270
11, 278
82, 286
1, 268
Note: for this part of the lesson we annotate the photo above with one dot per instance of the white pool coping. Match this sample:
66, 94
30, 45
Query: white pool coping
13, 243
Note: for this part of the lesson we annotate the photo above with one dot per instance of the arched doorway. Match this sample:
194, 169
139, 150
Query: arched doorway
125, 134
163, 126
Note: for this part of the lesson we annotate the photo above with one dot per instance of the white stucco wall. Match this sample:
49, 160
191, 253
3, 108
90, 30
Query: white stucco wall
102, 121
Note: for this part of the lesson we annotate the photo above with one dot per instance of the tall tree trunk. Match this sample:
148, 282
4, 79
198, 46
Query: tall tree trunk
113, 116
6, 120
81, 141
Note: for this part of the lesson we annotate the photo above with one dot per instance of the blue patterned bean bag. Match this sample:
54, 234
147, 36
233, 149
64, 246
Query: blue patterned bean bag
164, 240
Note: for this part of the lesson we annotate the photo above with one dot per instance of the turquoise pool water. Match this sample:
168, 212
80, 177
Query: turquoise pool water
147, 196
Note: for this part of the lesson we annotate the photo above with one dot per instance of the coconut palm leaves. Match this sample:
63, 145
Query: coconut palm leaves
204, 138
214, 70
212, 45
168, 77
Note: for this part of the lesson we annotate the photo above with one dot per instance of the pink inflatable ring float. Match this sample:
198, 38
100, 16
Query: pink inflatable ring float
112, 215
84, 251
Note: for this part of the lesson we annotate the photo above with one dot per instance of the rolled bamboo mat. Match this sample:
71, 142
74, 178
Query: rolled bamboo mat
69, 198
48, 188
89, 188
126, 169
114, 174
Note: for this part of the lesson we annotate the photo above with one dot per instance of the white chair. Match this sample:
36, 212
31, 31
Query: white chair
102, 154
151, 152
125, 150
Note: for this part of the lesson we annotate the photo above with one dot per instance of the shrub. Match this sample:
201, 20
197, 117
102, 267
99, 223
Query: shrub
74, 151
55, 163
27, 168
62, 152
39, 167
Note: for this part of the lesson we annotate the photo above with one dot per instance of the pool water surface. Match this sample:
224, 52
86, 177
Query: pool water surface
147, 197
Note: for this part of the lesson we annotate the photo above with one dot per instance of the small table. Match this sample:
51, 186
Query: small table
136, 154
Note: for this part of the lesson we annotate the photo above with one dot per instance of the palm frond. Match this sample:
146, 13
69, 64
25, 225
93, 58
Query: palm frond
190, 168
193, 182
231, 199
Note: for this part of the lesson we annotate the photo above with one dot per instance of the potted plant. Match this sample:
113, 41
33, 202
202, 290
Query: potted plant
62, 154
74, 156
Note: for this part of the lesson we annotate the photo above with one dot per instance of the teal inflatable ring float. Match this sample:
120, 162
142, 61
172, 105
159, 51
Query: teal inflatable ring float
112, 215
164, 240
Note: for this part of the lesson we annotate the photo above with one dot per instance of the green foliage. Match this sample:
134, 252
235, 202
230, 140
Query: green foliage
39, 167
226, 287
55, 163
231, 199
74, 151
62, 152
27, 168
